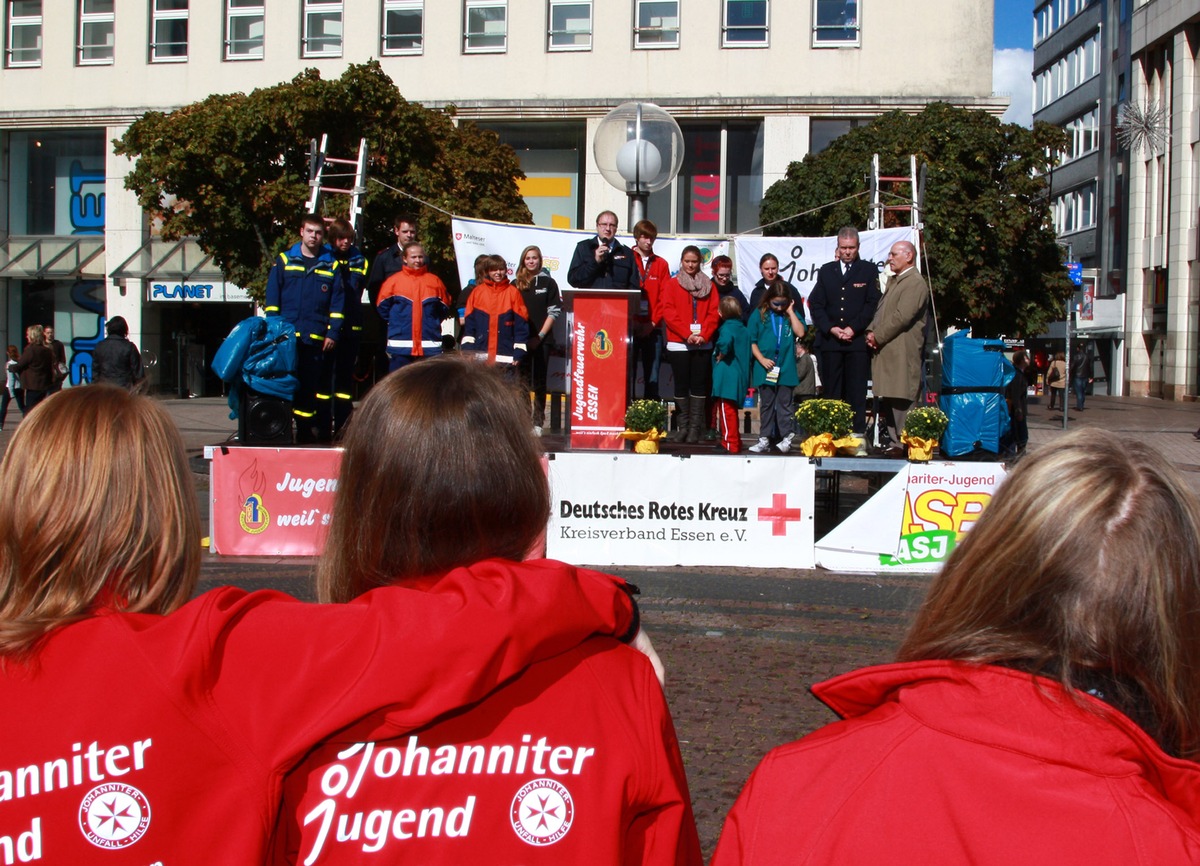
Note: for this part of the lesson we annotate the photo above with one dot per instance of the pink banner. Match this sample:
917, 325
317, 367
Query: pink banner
272, 501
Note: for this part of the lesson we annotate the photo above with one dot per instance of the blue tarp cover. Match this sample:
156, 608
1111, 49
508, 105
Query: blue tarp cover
259, 354
974, 375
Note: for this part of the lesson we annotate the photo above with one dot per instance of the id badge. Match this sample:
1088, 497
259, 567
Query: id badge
696, 328
773, 376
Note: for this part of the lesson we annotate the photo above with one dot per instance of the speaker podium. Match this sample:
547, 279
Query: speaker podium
599, 365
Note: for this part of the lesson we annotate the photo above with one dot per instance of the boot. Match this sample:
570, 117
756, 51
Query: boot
539, 410
696, 419
681, 421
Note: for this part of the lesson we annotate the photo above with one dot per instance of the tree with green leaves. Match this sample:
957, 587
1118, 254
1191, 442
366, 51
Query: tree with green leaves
232, 169
991, 256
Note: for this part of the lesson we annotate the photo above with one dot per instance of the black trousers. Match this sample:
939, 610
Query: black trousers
844, 376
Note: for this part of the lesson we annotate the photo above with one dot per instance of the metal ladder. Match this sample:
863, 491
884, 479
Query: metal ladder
318, 158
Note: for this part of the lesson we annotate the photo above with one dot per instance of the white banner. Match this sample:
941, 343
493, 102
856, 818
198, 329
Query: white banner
801, 258
666, 510
914, 521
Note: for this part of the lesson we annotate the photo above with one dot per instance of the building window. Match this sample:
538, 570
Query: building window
56, 182
24, 33
245, 24
168, 31
835, 23
96, 31
322, 28
1076, 210
1085, 135
403, 26
1067, 72
746, 23
657, 24
824, 130
719, 188
570, 25
486, 26
1051, 16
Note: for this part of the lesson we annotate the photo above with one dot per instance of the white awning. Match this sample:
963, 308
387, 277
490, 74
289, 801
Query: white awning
52, 257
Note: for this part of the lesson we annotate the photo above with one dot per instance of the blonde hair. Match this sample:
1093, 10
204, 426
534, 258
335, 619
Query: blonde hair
96, 508
441, 469
1085, 566
525, 277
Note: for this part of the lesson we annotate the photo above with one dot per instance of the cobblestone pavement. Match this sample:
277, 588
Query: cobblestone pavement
742, 646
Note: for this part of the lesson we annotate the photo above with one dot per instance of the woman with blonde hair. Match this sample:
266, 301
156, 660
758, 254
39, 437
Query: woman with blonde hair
575, 760
1045, 708
136, 720
35, 367
543, 302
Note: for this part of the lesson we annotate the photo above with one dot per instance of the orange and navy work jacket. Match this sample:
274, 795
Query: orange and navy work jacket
413, 302
496, 323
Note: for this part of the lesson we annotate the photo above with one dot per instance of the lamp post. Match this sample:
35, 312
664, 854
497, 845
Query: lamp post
639, 150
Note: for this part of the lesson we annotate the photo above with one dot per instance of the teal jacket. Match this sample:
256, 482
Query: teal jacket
732, 361
763, 334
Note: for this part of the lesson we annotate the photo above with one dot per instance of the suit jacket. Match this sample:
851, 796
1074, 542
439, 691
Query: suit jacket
844, 301
899, 329
616, 271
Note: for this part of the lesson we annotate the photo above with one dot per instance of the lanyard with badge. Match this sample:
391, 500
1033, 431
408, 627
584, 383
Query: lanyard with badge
777, 325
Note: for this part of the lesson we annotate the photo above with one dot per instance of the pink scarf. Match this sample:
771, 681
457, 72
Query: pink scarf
698, 286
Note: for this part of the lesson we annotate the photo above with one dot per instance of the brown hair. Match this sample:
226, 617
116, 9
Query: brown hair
441, 469
494, 263
340, 228
644, 229
480, 267
776, 288
524, 277
729, 308
1085, 564
97, 507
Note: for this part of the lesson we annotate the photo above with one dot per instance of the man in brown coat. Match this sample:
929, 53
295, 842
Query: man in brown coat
897, 337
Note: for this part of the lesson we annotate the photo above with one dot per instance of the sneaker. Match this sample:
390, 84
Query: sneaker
785, 444
762, 446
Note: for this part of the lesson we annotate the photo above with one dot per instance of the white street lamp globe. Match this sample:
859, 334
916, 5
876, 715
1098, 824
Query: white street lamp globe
638, 162
638, 148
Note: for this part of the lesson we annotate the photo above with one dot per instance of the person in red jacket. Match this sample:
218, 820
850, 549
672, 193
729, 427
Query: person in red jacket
1045, 708
653, 271
496, 323
413, 302
139, 727
574, 761
687, 307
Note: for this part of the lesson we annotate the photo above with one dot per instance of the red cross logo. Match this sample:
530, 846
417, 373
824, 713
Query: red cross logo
779, 514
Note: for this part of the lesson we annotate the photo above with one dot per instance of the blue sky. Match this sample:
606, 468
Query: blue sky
1012, 59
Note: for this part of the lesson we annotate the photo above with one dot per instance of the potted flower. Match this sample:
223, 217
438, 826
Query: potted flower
645, 424
923, 428
827, 424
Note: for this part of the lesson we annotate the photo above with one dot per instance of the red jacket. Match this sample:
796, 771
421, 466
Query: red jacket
496, 322
653, 274
413, 302
132, 739
573, 762
678, 312
941, 762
